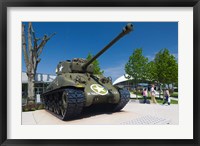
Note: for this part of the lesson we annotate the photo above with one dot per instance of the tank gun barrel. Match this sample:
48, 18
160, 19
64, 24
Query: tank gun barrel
128, 28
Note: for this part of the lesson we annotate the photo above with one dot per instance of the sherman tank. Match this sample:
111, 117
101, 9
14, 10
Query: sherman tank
76, 87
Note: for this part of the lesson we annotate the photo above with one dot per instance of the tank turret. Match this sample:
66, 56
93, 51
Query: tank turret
76, 87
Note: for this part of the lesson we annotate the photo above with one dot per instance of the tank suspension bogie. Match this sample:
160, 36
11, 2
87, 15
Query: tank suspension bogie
65, 103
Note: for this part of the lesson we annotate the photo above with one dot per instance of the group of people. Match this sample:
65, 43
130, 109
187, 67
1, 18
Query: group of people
153, 95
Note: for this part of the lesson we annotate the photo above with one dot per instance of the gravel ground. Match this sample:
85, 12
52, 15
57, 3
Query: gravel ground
134, 113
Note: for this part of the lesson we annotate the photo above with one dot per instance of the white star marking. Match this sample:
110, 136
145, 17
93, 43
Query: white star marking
61, 67
99, 89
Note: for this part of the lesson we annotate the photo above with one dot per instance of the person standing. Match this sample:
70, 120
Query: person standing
167, 97
145, 95
153, 94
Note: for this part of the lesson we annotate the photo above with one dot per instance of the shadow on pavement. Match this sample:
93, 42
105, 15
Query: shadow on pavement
96, 110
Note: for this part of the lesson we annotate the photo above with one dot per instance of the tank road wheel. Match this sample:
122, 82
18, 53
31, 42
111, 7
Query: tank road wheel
64, 103
57, 107
58, 111
51, 103
54, 107
45, 102
124, 99
73, 101
46, 106
54, 104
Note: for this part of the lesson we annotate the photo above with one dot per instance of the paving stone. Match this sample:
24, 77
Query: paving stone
147, 120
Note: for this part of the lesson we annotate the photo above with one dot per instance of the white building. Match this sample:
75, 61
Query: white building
129, 84
121, 79
41, 82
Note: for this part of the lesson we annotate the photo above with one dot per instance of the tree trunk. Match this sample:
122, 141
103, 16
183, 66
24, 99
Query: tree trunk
31, 94
136, 87
172, 87
159, 90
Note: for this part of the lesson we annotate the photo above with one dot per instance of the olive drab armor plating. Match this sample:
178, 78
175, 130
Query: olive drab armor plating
76, 87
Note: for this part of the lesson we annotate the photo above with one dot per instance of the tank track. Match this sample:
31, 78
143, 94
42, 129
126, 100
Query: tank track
65, 103
124, 99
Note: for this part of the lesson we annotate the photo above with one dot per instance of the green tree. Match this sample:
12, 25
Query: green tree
97, 69
136, 66
151, 71
166, 67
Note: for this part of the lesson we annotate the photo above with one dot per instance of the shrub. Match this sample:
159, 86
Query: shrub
28, 107
32, 107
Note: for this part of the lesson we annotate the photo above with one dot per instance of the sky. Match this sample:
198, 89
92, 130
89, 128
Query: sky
77, 39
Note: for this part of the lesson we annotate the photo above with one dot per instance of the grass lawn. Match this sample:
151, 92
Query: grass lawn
161, 101
175, 94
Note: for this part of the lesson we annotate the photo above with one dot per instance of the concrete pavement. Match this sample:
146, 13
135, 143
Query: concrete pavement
133, 113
